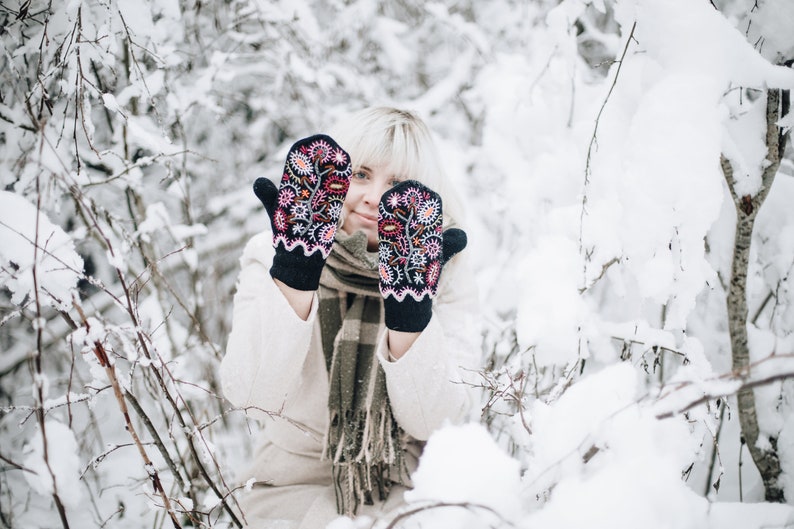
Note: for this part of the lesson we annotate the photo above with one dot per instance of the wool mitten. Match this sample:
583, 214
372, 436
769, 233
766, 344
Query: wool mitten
412, 249
304, 211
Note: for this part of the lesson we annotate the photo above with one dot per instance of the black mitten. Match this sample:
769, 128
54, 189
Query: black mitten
412, 250
304, 210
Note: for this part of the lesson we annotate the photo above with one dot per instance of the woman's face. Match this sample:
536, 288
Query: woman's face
367, 185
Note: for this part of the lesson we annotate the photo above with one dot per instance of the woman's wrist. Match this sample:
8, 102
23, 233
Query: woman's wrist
299, 300
399, 342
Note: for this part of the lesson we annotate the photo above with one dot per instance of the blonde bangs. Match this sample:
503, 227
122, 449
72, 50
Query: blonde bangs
399, 141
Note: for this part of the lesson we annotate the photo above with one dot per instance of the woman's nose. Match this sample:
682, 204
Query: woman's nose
376, 191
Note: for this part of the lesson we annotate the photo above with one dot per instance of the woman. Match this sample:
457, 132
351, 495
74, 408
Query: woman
347, 340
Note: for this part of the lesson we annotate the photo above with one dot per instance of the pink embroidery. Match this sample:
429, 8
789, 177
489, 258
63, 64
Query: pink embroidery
410, 241
313, 188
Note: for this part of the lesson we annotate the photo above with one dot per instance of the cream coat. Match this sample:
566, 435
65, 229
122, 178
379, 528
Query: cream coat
274, 368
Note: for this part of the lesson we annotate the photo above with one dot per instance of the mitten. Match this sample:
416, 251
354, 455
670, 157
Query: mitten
412, 249
304, 210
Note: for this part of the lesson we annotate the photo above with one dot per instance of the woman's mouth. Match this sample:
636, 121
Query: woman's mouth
369, 219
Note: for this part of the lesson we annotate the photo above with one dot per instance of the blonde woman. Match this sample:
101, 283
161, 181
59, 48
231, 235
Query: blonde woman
354, 322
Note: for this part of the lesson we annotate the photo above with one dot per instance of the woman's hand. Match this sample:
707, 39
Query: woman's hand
304, 211
412, 249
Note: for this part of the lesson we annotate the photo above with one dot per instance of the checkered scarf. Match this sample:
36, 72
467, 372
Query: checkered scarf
363, 440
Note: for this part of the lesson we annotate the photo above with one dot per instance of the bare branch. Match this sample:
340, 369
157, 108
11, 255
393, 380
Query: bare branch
413, 511
110, 371
594, 143
38, 373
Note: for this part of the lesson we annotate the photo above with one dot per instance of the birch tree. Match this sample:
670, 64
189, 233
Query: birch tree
764, 454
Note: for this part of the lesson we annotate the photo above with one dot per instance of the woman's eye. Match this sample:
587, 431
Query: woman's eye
360, 175
394, 182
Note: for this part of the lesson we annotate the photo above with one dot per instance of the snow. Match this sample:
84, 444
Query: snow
705, 42
48, 253
633, 479
62, 463
752, 516
551, 310
463, 464
769, 24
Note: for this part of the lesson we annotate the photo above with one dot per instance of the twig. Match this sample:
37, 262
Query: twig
129, 306
157, 441
594, 142
604, 268
746, 386
38, 374
16, 466
715, 454
761, 307
110, 371
101, 457
442, 505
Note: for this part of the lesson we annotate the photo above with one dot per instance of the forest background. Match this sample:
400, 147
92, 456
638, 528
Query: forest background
628, 188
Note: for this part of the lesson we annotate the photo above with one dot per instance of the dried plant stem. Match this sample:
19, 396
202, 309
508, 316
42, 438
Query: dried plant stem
110, 371
158, 442
159, 278
715, 453
128, 302
178, 411
747, 383
441, 505
594, 143
38, 373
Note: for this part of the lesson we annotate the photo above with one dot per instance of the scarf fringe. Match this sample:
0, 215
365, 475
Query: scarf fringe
364, 472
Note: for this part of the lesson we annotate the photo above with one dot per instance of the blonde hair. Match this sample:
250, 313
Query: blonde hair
401, 142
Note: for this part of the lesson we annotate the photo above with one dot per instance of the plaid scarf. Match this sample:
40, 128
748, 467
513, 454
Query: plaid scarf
363, 441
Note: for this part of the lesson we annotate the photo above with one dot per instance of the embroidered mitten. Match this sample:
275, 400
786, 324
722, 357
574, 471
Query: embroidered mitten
304, 210
411, 251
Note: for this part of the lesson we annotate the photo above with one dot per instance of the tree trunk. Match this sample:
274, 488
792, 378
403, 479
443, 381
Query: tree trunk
766, 458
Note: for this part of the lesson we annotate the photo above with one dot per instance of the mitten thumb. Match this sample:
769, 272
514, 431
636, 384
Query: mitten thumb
266, 192
454, 241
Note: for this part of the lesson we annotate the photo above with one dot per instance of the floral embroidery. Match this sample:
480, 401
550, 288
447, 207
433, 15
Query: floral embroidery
385, 274
327, 232
411, 196
285, 197
300, 163
433, 271
279, 220
394, 201
335, 183
389, 227
340, 157
313, 188
320, 151
409, 241
433, 248
428, 212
